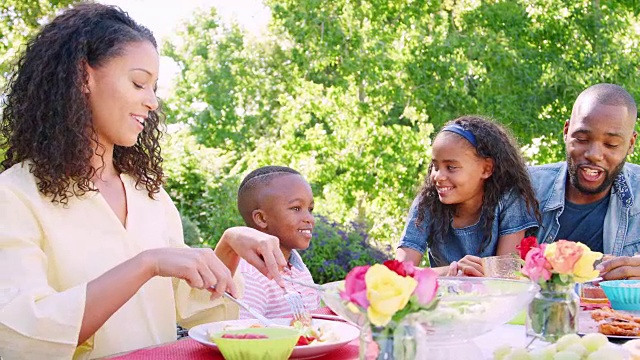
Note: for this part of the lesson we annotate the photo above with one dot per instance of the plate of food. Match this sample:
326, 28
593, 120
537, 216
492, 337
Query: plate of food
615, 324
317, 339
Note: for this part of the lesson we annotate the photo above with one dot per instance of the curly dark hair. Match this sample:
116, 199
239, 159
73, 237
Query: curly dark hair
47, 120
509, 172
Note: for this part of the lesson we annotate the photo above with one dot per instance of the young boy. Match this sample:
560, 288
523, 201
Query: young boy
277, 200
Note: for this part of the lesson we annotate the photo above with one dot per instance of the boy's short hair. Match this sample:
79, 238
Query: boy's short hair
253, 183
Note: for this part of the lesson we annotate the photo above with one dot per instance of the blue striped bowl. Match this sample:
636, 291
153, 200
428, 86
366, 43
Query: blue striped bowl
623, 294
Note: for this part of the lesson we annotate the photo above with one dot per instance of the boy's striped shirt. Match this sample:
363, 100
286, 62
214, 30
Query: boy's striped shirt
267, 297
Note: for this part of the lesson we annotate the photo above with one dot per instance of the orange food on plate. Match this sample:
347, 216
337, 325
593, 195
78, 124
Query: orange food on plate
606, 313
612, 322
620, 328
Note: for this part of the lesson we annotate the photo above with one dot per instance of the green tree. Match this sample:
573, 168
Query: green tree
202, 187
349, 92
20, 19
521, 62
257, 102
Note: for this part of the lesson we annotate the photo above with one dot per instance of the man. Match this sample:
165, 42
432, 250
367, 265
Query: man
594, 197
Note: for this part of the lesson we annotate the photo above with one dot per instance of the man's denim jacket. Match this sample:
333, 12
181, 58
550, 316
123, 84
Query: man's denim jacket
621, 232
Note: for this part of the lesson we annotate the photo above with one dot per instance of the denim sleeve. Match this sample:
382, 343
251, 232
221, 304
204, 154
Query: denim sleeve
414, 237
514, 215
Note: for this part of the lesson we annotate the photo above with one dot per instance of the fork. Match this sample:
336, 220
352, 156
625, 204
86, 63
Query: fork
266, 322
296, 304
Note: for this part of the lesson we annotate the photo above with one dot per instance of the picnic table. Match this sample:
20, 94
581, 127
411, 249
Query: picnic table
507, 334
189, 349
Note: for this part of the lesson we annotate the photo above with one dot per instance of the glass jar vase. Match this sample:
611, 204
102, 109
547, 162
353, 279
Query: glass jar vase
394, 341
553, 312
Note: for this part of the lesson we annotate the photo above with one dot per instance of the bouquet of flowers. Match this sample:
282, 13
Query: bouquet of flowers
387, 293
558, 264
556, 267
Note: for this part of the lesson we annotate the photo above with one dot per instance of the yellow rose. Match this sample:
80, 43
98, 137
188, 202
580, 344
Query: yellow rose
550, 250
584, 270
387, 293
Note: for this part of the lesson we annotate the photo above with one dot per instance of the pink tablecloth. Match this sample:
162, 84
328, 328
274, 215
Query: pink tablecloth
189, 349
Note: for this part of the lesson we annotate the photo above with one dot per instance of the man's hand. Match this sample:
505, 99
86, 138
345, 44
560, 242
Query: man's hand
619, 268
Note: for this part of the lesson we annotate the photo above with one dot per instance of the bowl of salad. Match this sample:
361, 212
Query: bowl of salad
468, 306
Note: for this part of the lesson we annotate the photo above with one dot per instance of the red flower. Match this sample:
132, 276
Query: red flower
527, 244
396, 266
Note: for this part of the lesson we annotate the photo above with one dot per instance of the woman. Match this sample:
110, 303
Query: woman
92, 259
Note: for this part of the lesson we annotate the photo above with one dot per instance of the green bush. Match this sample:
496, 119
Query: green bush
190, 232
335, 249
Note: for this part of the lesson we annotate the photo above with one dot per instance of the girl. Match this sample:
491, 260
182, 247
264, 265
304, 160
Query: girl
89, 240
477, 200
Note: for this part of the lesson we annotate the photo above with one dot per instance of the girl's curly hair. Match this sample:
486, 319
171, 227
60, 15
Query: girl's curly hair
509, 172
47, 120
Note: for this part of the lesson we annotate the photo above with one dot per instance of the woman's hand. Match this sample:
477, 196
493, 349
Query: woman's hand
467, 266
259, 249
199, 267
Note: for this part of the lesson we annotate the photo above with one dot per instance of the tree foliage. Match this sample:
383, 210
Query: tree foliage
362, 153
349, 92
521, 62
20, 19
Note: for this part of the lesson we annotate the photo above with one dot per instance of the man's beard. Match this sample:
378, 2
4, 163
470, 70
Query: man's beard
608, 180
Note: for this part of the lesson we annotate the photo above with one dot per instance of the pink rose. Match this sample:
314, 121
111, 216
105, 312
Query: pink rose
355, 289
525, 245
427, 285
536, 265
566, 254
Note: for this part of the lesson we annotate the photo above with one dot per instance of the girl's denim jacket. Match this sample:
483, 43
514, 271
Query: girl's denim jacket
621, 227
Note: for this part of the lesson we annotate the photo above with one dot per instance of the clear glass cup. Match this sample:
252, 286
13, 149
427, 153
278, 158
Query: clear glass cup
502, 266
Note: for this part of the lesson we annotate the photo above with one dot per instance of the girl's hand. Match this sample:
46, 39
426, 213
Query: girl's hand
199, 267
259, 249
467, 266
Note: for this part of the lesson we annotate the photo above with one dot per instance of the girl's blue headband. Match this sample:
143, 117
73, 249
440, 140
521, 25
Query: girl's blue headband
455, 128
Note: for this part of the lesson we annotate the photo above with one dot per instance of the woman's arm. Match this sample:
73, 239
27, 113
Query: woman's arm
107, 293
199, 267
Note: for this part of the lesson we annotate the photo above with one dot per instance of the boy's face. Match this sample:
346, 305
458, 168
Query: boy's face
286, 208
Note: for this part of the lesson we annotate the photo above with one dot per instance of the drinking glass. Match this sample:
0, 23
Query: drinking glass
502, 266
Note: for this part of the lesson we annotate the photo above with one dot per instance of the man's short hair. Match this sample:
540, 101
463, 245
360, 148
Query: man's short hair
611, 94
